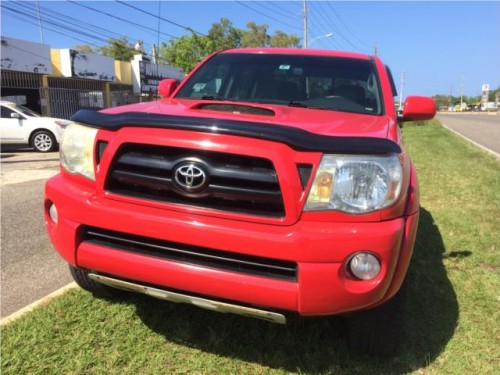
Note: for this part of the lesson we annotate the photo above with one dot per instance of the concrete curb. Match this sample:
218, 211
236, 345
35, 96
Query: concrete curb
43, 301
497, 155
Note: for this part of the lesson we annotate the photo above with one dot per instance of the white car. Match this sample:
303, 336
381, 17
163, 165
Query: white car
20, 125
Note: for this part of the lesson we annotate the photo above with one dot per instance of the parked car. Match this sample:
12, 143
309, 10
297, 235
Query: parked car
269, 182
20, 125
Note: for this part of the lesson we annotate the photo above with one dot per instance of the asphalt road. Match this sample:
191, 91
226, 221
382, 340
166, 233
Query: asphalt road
30, 268
481, 128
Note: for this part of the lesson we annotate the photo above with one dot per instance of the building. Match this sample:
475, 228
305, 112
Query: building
59, 82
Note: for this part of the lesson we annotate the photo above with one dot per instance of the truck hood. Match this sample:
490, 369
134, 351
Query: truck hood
322, 122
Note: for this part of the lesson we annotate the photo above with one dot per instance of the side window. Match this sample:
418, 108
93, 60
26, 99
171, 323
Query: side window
393, 85
6, 112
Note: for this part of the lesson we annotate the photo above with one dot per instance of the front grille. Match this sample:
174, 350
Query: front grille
305, 171
236, 183
221, 260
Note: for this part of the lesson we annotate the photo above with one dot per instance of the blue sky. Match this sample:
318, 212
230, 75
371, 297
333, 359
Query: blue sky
442, 47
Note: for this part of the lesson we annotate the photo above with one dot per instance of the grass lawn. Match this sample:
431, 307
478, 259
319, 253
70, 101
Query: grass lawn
453, 311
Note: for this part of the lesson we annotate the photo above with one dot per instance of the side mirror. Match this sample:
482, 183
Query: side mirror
167, 87
418, 108
16, 115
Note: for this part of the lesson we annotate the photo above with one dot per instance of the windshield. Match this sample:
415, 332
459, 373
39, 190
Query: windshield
26, 111
320, 82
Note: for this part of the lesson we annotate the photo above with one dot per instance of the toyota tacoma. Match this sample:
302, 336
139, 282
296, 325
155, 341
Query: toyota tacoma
268, 182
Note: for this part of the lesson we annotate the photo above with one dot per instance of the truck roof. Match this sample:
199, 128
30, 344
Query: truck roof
299, 51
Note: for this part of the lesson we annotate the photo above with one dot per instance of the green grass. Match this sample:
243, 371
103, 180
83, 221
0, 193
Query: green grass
453, 312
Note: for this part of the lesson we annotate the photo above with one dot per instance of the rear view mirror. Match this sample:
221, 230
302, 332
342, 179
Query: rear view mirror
418, 108
15, 115
167, 87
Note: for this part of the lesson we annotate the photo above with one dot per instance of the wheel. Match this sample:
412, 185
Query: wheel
377, 331
43, 141
97, 289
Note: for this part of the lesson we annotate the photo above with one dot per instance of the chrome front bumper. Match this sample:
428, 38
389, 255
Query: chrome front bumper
221, 307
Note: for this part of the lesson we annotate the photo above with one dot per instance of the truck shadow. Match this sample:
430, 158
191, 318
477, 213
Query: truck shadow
317, 345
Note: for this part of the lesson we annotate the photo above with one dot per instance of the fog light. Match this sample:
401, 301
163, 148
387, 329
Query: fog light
364, 266
53, 213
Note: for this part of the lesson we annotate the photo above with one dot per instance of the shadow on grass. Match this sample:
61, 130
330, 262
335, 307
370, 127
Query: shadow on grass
317, 345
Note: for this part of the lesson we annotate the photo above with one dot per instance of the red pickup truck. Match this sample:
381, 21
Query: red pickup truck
268, 182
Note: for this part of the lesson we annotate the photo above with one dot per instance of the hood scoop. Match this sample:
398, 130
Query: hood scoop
237, 109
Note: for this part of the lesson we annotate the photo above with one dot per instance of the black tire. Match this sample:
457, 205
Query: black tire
377, 331
43, 141
97, 289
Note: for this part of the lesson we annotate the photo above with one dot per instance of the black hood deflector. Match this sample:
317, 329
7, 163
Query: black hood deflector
298, 139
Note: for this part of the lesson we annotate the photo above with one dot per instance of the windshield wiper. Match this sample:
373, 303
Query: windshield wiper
294, 103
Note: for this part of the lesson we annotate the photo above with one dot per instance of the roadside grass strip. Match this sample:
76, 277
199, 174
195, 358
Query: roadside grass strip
453, 311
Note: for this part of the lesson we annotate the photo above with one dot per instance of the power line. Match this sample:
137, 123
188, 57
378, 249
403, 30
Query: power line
345, 25
267, 8
15, 15
266, 15
108, 34
31, 19
163, 19
337, 31
322, 29
68, 28
146, 28
65, 18
283, 11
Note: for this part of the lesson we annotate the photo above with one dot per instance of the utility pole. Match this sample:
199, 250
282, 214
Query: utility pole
305, 22
154, 52
39, 21
401, 91
461, 91
375, 49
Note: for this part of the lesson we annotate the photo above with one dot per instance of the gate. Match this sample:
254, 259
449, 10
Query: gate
63, 103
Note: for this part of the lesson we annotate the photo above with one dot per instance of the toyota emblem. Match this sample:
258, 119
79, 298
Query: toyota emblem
190, 177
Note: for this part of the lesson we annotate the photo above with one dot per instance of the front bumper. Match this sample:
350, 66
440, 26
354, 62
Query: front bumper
320, 250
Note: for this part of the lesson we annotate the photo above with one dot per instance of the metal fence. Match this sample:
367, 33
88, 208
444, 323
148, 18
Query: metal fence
63, 96
120, 96
63, 103
20, 79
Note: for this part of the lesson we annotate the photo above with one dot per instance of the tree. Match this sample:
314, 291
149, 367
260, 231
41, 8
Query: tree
187, 51
281, 39
493, 94
224, 35
84, 48
119, 49
255, 36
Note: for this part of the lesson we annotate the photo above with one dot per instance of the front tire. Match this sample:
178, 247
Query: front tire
43, 141
378, 331
97, 289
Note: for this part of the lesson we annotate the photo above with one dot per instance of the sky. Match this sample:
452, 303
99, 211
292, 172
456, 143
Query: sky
446, 47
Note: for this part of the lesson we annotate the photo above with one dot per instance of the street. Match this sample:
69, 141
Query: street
480, 128
30, 268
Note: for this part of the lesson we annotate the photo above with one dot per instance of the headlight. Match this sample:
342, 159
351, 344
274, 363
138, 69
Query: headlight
77, 150
62, 123
355, 183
